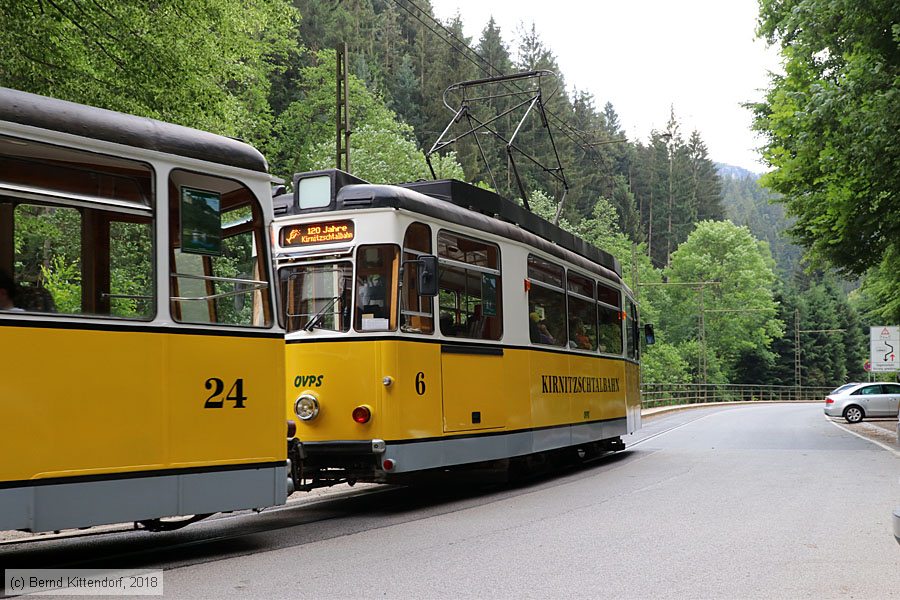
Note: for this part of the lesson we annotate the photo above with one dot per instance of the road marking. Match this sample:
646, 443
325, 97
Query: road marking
862, 437
670, 429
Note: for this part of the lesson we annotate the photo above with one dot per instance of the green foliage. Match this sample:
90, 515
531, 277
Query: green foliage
738, 311
309, 120
205, 64
131, 269
663, 363
879, 296
831, 124
63, 280
382, 148
41, 234
692, 351
747, 203
388, 156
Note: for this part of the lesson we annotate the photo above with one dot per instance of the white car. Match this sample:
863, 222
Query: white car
856, 401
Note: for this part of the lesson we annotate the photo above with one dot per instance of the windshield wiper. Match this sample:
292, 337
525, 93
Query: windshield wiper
318, 316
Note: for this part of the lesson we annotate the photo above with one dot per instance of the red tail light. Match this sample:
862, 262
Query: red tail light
362, 414
829, 400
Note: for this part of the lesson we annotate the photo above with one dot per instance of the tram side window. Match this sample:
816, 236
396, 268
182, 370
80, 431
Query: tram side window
546, 303
416, 312
88, 248
609, 311
635, 330
469, 286
218, 252
631, 330
376, 287
79, 261
582, 313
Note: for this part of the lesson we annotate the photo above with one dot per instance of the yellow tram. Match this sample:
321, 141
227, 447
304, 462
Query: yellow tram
434, 325
142, 361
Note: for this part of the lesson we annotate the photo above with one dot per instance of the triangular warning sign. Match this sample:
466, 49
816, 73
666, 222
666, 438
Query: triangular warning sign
885, 332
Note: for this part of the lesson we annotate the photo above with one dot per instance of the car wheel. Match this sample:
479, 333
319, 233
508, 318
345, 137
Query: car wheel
853, 414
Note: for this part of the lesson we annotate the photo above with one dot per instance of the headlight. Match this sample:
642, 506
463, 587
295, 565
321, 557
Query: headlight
306, 407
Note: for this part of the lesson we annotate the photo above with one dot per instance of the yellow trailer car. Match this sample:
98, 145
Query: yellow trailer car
142, 361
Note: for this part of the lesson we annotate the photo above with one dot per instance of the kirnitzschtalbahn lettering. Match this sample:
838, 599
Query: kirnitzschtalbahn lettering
563, 384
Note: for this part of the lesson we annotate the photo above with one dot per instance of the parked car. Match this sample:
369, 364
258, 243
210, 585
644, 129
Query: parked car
856, 401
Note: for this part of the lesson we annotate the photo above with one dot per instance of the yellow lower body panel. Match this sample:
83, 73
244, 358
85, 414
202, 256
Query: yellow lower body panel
78, 402
440, 392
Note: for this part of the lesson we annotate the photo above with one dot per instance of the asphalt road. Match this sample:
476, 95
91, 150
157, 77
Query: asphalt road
768, 501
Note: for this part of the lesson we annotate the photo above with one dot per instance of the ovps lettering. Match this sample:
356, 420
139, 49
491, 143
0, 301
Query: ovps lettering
308, 380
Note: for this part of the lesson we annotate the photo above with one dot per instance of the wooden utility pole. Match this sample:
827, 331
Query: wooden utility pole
797, 371
342, 111
798, 364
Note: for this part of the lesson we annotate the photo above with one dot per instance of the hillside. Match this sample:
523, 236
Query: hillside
747, 203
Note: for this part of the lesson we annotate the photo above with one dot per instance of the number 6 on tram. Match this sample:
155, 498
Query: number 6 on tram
142, 364
427, 330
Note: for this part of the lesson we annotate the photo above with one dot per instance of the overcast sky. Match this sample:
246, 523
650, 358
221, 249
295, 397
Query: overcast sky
646, 55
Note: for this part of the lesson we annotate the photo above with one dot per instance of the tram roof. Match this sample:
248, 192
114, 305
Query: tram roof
493, 205
141, 132
458, 202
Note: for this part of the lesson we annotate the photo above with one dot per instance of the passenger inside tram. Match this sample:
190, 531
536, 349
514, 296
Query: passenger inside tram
7, 292
579, 333
538, 329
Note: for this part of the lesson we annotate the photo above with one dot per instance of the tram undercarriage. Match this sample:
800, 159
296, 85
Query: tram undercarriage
316, 465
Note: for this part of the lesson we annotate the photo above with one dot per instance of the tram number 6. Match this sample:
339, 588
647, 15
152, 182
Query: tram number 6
420, 383
235, 394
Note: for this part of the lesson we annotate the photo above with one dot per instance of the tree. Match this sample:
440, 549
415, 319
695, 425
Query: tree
387, 153
205, 64
720, 251
492, 48
663, 363
831, 125
308, 121
748, 203
704, 183
879, 296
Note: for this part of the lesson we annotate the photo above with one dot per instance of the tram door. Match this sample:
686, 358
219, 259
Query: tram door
470, 310
472, 382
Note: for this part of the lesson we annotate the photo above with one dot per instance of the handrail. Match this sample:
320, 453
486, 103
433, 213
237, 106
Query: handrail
262, 284
253, 285
660, 394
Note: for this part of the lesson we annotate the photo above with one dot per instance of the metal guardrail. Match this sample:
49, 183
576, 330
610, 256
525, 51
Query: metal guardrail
671, 394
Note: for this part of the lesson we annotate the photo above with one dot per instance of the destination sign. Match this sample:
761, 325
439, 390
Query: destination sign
309, 234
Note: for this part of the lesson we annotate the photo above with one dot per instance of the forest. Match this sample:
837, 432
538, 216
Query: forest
264, 71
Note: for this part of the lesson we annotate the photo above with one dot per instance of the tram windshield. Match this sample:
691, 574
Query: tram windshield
317, 296
329, 296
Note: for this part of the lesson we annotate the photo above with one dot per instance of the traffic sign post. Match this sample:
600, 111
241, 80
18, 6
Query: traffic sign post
885, 348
